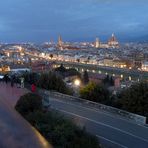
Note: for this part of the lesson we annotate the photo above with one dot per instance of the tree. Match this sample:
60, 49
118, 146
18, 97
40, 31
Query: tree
78, 60
88, 59
135, 99
95, 92
106, 80
85, 77
73, 72
111, 81
28, 103
51, 81
51, 56
31, 77
61, 69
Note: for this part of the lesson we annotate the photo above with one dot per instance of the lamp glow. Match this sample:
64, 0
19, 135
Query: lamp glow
77, 82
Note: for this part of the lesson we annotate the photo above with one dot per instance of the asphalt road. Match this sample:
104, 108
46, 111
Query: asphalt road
113, 131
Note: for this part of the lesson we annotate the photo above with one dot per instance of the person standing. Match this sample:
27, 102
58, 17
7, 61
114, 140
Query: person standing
6, 78
33, 88
22, 82
17, 82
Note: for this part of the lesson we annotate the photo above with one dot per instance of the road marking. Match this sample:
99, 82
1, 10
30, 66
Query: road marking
115, 143
97, 122
98, 111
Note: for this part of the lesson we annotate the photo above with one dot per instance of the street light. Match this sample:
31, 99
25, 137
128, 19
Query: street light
76, 87
77, 82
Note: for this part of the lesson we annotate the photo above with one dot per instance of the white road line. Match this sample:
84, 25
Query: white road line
98, 111
97, 122
113, 142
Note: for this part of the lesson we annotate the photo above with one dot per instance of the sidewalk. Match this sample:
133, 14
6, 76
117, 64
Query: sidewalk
16, 132
11, 94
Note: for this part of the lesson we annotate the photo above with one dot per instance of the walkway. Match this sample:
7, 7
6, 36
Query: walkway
15, 131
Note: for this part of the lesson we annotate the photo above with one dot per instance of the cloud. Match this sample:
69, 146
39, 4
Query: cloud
74, 19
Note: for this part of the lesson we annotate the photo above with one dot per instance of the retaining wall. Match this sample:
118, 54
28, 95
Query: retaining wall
130, 116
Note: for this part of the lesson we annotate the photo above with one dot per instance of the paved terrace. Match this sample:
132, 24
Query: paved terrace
16, 132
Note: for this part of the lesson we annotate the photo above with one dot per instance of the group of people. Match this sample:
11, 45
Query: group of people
18, 81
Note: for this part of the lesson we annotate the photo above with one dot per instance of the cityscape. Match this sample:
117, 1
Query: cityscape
81, 82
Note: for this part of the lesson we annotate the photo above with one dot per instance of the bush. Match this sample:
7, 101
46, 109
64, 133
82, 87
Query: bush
60, 132
29, 103
95, 92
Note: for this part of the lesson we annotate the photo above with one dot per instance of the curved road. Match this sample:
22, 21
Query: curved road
112, 130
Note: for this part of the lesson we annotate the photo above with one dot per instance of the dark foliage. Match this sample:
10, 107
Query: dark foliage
61, 69
29, 103
60, 132
85, 77
31, 77
135, 99
96, 93
109, 81
67, 72
51, 81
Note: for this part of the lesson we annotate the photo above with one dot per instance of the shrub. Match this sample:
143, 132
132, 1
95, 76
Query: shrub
95, 92
60, 132
29, 103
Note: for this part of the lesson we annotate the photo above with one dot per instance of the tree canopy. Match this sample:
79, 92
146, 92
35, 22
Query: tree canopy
85, 77
51, 81
29, 103
95, 92
135, 99
67, 72
109, 81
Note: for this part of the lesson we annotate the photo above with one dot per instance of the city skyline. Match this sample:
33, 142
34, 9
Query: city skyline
75, 20
74, 73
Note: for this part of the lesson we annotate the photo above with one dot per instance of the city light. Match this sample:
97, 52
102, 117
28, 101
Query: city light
87, 87
8, 54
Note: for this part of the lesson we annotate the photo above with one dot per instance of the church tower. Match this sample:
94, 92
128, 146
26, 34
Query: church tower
60, 43
113, 42
97, 43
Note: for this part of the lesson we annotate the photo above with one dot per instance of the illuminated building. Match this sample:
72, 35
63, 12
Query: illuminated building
60, 42
5, 68
113, 43
145, 66
41, 66
97, 43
